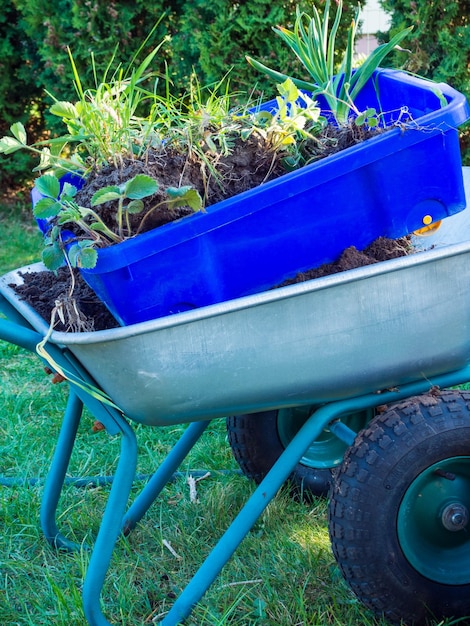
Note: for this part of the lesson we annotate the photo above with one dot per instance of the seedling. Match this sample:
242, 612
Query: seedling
89, 231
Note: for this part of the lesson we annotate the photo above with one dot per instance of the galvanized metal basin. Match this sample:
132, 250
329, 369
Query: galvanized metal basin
352, 333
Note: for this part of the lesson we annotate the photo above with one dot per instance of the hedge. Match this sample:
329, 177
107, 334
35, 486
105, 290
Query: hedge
207, 38
439, 46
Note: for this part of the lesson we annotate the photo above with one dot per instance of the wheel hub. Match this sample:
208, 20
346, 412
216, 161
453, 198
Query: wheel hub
455, 517
327, 451
434, 519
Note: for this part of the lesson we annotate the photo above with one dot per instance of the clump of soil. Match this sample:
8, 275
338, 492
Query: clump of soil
382, 249
41, 290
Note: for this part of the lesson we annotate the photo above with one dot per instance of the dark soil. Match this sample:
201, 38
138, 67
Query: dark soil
41, 290
250, 164
382, 249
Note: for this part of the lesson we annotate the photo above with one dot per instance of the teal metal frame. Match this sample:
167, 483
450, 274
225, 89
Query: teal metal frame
118, 519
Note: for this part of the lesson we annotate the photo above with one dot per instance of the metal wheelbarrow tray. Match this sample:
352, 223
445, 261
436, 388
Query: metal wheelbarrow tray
352, 333
344, 343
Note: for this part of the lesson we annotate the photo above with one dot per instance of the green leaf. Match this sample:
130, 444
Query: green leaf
360, 119
442, 99
290, 162
87, 258
373, 61
99, 227
141, 186
264, 117
135, 206
8, 145
278, 76
210, 143
45, 208
288, 90
18, 131
64, 109
69, 190
53, 256
73, 253
45, 161
69, 214
48, 185
107, 194
185, 196
82, 254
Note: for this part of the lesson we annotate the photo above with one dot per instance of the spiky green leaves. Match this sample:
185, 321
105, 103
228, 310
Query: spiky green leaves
313, 42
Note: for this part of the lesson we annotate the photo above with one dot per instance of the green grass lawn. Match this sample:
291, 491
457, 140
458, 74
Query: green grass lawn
283, 574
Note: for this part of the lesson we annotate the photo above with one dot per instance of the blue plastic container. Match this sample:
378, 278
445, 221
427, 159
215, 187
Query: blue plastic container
388, 186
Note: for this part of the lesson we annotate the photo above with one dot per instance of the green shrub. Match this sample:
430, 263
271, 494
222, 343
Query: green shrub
207, 38
439, 44
19, 95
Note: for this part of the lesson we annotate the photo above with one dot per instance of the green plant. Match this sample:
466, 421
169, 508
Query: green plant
314, 43
104, 126
203, 127
296, 120
60, 205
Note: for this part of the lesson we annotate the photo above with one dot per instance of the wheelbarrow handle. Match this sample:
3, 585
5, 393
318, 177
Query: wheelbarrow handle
19, 335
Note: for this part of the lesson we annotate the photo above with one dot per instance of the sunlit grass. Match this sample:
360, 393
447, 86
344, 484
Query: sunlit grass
20, 241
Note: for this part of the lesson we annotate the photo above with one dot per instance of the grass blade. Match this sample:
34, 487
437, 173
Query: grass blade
373, 61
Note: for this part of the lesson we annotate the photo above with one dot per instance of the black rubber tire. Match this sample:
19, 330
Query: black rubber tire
256, 446
371, 485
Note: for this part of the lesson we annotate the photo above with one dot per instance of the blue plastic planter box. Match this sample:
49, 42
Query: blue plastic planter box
389, 186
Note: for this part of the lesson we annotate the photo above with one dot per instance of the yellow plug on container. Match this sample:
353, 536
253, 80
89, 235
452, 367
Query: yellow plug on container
429, 227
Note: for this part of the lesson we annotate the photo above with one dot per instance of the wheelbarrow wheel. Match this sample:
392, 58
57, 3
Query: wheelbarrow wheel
399, 513
258, 439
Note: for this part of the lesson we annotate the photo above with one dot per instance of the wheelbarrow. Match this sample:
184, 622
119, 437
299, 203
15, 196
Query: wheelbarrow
360, 362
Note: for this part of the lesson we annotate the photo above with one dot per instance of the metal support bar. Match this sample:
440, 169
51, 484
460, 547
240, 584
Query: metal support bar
163, 475
111, 524
110, 527
343, 432
245, 520
12, 314
56, 476
19, 335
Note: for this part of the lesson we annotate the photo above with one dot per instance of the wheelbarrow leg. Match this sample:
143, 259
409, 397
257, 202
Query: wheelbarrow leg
245, 520
110, 527
56, 475
111, 524
163, 474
